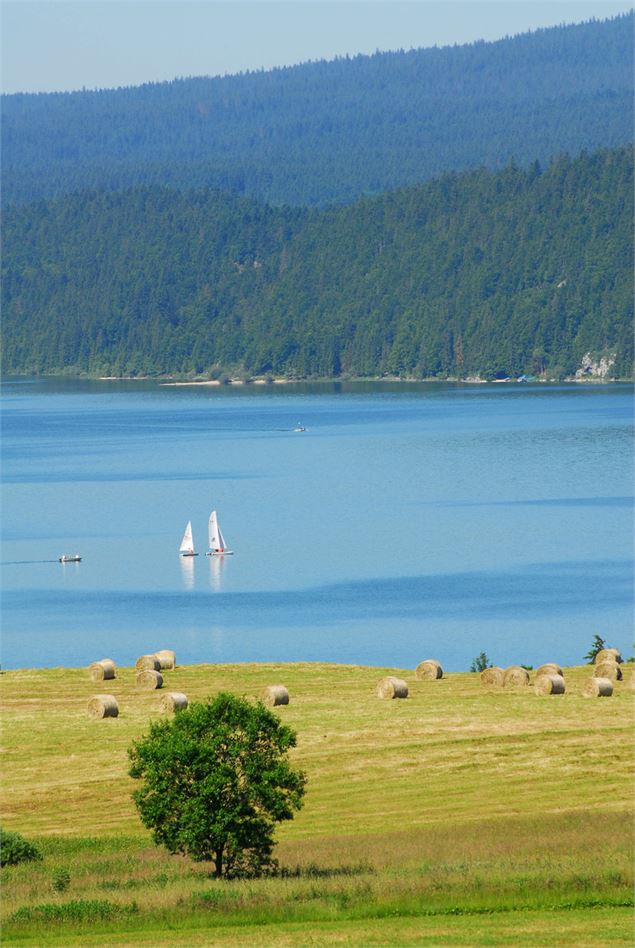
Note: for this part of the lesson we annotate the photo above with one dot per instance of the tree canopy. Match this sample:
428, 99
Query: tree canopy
487, 273
328, 132
597, 645
215, 781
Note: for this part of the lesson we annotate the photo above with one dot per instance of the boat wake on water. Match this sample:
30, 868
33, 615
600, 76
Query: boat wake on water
26, 562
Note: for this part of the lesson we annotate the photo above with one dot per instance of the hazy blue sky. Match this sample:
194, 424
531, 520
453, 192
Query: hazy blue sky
50, 45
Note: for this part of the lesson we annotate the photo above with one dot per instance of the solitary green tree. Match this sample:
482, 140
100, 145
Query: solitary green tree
480, 663
216, 780
596, 646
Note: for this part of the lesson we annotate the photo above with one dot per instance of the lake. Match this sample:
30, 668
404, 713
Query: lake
408, 521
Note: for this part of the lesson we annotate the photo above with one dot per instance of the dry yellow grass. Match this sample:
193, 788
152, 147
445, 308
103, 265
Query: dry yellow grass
422, 816
448, 753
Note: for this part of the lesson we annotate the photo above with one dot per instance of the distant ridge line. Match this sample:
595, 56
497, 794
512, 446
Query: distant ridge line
328, 131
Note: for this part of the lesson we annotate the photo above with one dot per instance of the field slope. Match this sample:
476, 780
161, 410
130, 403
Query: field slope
460, 816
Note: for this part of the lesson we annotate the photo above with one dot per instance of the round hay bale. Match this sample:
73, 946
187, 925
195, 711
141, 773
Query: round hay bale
598, 688
149, 679
492, 677
550, 685
274, 695
608, 655
610, 670
103, 706
173, 701
145, 662
391, 687
550, 668
103, 670
515, 675
166, 658
429, 669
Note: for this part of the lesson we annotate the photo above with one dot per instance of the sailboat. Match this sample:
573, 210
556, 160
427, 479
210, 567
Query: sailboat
217, 544
187, 543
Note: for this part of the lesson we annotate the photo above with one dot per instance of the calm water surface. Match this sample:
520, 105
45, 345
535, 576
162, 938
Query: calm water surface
407, 521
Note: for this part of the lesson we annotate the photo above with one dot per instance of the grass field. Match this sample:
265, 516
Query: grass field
459, 816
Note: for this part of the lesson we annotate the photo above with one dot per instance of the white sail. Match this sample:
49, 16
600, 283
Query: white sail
217, 542
213, 532
187, 543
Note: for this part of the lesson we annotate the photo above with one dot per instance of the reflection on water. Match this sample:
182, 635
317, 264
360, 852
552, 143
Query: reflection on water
70, 574
216, 568
187, 571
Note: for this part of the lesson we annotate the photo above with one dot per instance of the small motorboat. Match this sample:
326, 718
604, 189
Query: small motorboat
70, 558
299, 427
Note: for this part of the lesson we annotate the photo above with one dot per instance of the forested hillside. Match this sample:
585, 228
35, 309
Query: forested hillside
328, 132
479, 273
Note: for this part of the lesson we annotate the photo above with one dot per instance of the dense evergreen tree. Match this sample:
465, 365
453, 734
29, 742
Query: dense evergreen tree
327, 132
522, 270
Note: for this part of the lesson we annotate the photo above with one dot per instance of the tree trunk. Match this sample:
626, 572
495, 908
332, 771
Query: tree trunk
218, 863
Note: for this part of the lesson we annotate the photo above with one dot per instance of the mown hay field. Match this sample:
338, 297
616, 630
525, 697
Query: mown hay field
461, 815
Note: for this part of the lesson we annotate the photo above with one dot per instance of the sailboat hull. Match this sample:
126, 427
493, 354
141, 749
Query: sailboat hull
220, 553
189, 554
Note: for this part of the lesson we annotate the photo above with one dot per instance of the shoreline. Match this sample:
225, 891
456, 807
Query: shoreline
228, 382
317, 664
628, 682
392, 380
171, 382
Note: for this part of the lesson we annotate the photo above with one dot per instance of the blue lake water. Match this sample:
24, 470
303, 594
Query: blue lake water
408, 521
